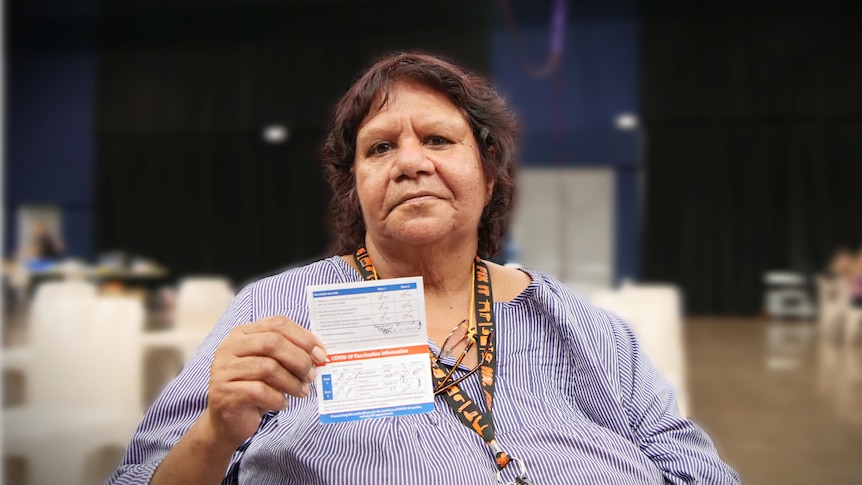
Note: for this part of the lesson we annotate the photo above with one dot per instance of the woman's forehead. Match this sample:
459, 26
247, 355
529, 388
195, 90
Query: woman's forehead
440, 105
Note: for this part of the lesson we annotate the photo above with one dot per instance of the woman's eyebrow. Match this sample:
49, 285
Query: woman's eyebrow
384, 130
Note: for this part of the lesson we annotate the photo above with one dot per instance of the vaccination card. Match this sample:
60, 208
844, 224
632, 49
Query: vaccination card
377, 343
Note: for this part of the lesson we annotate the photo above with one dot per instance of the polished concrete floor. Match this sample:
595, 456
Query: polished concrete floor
783, 406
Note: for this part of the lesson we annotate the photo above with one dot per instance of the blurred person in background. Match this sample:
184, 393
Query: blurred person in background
420, 159
842, 264
42, 249
838, 277
854, 276
43, 245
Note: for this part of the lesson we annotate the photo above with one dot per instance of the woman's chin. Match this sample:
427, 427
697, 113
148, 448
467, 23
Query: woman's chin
422, 233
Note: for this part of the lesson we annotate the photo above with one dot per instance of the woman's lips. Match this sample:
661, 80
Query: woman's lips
414, 199
417, 198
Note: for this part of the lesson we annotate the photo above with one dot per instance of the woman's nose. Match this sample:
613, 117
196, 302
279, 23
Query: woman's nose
411, 160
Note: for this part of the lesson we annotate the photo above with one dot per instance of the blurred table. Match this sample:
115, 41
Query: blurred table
141, 276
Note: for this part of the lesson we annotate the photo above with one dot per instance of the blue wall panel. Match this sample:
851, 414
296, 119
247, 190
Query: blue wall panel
50, 145
569, 117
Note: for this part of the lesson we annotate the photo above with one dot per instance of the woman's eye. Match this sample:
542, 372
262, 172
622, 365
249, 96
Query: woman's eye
436, 141
380, 148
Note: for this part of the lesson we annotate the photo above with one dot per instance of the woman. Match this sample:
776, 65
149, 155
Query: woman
420, 157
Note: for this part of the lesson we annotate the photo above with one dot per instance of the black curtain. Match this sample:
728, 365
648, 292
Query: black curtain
753, 145
185, 89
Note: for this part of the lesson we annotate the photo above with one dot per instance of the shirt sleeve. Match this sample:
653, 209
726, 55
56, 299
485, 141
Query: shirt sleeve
179, 405
639, 403
678, 447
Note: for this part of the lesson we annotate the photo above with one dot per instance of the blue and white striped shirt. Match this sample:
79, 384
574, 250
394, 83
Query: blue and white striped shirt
576, 400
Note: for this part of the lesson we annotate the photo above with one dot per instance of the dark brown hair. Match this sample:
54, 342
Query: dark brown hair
492, 123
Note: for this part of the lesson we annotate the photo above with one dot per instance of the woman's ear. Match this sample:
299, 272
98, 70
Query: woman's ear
489, 182
490, 192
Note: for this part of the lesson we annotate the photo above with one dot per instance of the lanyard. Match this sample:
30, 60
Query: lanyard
467, 410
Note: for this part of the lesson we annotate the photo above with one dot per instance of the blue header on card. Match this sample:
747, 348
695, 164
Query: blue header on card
368, 289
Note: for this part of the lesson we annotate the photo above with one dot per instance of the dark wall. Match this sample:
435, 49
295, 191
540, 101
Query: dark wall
753, 121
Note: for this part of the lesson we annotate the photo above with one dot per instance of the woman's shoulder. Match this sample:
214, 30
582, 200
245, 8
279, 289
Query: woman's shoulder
508, 282
542, 286
572, 310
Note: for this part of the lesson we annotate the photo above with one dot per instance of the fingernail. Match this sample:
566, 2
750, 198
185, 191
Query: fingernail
318, 354
312, 375
286, 402
306, 389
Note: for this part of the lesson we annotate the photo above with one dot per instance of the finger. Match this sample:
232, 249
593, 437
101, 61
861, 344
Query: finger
293, 332
267, 370
275, 346
239, 395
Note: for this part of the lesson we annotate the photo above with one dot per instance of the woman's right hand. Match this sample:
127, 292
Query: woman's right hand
253, 370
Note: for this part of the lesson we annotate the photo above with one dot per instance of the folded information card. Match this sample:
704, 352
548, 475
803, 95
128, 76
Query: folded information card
376, 336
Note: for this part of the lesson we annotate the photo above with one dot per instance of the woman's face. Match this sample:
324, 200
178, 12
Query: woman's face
419, 174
